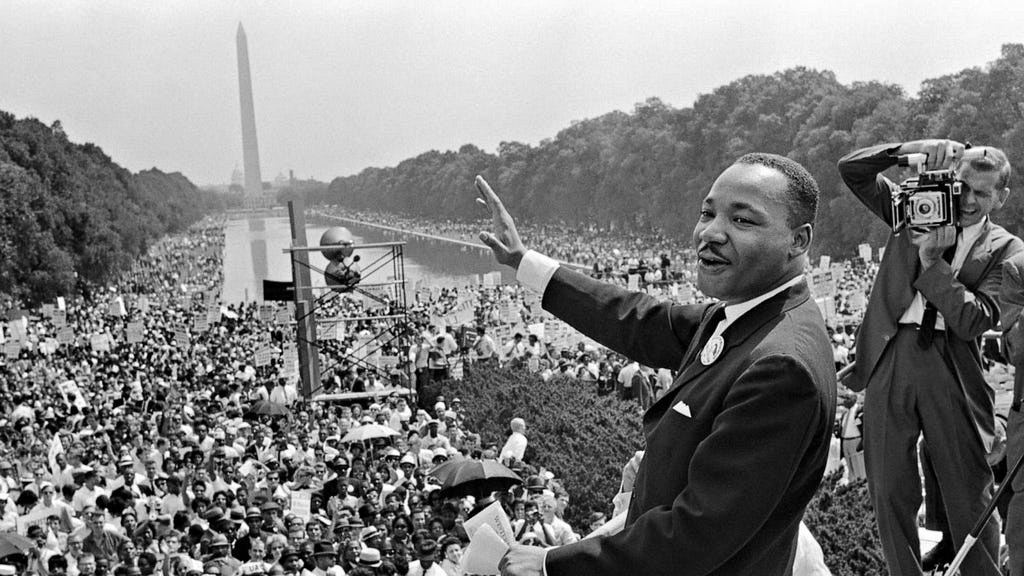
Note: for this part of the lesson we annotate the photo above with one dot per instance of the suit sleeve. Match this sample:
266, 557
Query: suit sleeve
862, 172
771, 419
643, 328
967, 313
1011, 297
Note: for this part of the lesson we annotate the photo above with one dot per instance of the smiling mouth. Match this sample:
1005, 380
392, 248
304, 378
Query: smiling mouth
709, 260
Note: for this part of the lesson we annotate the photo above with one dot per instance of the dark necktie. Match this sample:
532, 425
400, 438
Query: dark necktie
926, 333
717, 315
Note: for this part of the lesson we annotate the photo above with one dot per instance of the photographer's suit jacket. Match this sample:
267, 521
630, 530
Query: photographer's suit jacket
735, 450
968, 303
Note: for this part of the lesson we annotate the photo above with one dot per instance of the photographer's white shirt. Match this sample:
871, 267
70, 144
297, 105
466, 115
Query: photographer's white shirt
965, 241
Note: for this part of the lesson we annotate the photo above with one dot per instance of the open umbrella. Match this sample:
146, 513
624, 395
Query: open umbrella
475, 478
369, 432
268, 408
444, 470
11, 543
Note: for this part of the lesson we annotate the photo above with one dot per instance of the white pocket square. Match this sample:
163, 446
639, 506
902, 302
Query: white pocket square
682, 408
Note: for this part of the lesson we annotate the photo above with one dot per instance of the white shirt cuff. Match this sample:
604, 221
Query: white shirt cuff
535, 271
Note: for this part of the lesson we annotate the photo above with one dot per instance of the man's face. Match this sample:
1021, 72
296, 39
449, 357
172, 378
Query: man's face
743, 241
980, 195
87, 567
96, 520
419, 520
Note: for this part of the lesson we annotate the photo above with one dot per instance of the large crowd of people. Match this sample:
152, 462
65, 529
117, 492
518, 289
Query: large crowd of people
135, 437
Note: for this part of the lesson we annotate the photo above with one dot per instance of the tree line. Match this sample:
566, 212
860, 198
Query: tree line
649, 169
71, 219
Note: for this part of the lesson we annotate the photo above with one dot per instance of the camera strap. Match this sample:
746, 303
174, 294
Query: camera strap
926, 333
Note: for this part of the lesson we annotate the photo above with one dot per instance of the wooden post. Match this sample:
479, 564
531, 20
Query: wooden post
305, 321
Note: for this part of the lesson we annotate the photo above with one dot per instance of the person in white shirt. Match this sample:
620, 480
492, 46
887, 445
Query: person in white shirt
86, 495
561, 532
514, 349
426, 562
515, 446
625, 379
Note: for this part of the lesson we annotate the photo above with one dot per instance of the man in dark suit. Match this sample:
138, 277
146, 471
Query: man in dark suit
935, 294
1011, 298
738, 444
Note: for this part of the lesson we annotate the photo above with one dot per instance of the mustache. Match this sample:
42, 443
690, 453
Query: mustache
706, 249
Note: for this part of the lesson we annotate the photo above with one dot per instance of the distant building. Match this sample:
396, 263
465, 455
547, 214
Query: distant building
237, 178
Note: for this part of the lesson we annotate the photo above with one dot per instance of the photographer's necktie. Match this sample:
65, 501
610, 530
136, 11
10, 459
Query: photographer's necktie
926, 333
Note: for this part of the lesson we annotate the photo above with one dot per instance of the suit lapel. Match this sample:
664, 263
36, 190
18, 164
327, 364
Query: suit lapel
979, 256
735, 335
705, 327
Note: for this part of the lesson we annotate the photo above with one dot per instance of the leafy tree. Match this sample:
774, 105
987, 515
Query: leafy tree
72, 217
648, 170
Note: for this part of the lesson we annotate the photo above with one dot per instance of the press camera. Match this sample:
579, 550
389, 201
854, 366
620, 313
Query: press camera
930, 199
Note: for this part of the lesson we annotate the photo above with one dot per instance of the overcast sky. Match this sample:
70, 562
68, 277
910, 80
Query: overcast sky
341, 85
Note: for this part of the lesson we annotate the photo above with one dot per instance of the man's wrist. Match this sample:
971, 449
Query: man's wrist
535, 270
516, 258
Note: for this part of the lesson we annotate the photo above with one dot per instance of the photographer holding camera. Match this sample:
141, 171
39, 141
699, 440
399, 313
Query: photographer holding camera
935, 294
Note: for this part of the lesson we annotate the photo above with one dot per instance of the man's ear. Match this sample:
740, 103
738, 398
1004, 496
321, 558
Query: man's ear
802, 236
1002, 196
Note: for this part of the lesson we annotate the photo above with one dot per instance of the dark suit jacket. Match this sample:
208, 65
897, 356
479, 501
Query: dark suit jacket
968, 302
1011, 297
721, 490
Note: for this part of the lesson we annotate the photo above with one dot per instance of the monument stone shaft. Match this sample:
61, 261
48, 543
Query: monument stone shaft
250, 145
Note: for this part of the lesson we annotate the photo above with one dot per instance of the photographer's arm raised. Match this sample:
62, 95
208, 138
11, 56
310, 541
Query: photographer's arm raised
862, 169
941, 154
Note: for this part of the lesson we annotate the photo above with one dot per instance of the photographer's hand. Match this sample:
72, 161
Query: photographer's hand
504, 241
941, 154
932, 243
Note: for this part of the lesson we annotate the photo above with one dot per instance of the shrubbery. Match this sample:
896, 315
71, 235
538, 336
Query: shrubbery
843, 521
586, 439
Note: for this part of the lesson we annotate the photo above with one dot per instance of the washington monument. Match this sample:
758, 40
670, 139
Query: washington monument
250, 145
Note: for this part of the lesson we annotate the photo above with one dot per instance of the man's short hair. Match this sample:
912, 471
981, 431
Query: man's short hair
802, 191
993, 160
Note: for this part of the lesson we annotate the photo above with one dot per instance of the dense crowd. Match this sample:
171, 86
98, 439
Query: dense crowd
135, 439
138, 438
